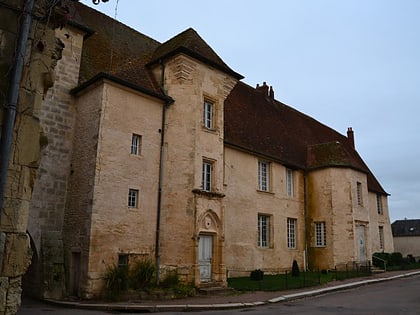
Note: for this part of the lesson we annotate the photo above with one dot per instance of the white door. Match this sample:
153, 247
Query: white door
205, 249
362, 245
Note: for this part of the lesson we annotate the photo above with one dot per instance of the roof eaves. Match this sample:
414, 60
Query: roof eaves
103, 75
89, 32
197, 56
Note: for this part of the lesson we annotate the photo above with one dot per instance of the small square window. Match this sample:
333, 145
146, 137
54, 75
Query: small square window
136, 144
133, 198
208, 114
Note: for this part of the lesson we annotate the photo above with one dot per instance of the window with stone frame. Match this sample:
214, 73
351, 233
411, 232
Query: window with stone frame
359, 194
264, 228
320, 234
263, 175
379, 204
208, 114
133, 198
136, 144
291, 233
207, 175
289, 182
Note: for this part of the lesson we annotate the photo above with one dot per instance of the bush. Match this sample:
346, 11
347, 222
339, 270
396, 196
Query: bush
141, 276
116, 281
171, 280
295, 269
395, 259
257, 275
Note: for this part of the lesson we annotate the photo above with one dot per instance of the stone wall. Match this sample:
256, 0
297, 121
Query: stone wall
243, 203
57, 116
43, 51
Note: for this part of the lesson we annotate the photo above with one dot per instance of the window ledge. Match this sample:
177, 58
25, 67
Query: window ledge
211, 194
265, 192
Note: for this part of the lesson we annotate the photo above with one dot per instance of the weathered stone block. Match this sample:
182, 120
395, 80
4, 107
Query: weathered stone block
18, 255
15, 215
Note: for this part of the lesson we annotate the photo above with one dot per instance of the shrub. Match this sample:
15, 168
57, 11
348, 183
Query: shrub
395, 259
171, 280
141, 276
116, 281
295, 269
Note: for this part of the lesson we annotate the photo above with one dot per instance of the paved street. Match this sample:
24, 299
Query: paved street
400, 296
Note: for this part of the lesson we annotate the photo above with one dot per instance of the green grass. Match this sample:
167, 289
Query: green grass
279, 282
287, 281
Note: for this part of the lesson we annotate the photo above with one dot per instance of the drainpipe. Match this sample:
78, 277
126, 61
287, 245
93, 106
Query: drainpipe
10, 107
159, 198
305, 213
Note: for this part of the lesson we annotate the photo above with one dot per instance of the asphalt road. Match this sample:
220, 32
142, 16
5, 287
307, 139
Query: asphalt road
401, 296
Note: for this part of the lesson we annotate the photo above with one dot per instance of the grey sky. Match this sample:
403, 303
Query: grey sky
344, 62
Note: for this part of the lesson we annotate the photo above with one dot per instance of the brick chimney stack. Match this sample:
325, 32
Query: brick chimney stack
350, 136
263, 88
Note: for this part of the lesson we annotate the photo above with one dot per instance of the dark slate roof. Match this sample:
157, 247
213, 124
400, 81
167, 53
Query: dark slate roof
406, 228
190, 43
258, 123
114, 49
118, 52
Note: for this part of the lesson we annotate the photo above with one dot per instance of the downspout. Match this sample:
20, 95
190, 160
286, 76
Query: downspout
305, 213
159, 200
10, 107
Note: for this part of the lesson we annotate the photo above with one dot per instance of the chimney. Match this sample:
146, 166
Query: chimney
350, 136
263, 88
271, 93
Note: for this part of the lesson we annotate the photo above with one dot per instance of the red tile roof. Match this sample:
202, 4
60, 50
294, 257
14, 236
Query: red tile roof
257, 123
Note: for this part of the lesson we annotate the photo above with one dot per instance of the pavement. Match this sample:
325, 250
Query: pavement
233, 300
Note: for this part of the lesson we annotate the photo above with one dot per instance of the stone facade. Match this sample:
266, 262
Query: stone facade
122, 169
43, 51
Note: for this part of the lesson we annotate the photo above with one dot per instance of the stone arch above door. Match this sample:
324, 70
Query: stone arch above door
209, 222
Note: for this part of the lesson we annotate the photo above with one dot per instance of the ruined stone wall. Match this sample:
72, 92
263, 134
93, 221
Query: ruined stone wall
57, 117
243, 203
43, 51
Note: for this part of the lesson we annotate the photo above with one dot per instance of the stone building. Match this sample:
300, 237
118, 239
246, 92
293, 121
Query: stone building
406, 234
159, 150
29, 51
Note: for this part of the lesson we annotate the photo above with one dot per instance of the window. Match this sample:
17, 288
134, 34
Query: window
291, 233
359, 194
263, 176
379, 204
207, 175
208, 114
381, 237
263, 230
122, 261
136, 144
289, 182
320, 234
133, 198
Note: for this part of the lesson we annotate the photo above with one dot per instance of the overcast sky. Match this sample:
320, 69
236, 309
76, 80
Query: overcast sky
346, 63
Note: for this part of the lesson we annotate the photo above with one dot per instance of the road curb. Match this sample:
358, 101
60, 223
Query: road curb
151, 308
